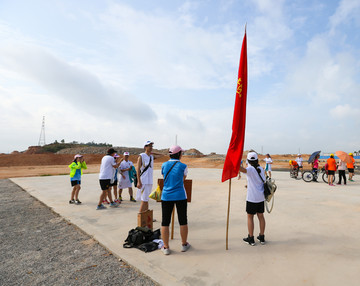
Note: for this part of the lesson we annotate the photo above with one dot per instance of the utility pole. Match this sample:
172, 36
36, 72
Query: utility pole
42, 133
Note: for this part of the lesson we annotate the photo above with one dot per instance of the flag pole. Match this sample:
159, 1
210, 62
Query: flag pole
228, 214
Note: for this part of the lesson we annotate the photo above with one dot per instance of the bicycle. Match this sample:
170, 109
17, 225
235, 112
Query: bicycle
294, 173
309, 176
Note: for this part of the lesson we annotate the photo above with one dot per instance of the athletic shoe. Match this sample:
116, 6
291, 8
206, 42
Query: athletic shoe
113, 205
120, 198
250, 240
332, 185
132, 200
72, 202
166, 251
101, 207
77, 202
261, 238
185, 247
117, 201
106, 202
338, 183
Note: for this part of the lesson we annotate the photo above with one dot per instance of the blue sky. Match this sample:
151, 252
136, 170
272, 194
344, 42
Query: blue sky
123, 72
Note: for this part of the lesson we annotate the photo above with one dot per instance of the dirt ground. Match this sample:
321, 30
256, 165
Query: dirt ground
29, 165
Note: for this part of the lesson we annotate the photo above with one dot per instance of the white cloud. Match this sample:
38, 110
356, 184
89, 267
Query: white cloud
346, 111
71, 83
168, 52
347, 11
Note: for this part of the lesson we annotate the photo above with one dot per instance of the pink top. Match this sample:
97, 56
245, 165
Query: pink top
316, 163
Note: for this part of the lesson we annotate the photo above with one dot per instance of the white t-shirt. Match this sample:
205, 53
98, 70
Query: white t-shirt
299, 160
125, 165
255, 186
147, 177
106, 168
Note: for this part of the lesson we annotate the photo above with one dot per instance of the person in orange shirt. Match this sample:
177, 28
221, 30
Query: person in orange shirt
294, 166
331, 169
351, 167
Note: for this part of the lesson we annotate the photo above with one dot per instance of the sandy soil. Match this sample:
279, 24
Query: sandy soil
29, 165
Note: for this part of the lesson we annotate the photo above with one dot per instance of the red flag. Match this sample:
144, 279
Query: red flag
236, 146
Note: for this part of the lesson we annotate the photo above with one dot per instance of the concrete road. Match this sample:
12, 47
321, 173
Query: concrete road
313, 234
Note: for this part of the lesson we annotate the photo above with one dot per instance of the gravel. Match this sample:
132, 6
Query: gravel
38, 247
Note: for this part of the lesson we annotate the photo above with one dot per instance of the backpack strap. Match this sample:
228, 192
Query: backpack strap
260, 176
170, 170
147, 167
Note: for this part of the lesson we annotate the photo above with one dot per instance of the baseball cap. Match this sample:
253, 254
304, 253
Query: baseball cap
126, 153
175, 149
116, 155
77, 156
252, 156
299, 154
148, 142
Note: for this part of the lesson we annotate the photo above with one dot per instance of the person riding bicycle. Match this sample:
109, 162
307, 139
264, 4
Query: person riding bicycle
315, 166
294, 167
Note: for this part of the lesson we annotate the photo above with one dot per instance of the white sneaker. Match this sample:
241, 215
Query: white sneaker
166, 251
185, 247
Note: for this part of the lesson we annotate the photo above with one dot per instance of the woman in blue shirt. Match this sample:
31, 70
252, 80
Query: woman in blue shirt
174, 193
76, 168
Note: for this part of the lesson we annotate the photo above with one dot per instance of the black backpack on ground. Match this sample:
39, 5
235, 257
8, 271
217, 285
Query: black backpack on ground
139, 236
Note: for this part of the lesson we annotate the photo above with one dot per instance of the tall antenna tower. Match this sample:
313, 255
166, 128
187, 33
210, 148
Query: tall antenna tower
42, 133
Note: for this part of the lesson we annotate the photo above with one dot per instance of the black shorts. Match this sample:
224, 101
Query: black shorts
254, 208
331, 172
351, 170
167, 208
300, 167
113, 184
105, 184
76, 182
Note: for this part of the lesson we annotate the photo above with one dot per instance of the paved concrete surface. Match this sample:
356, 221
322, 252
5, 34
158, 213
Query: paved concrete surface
313, 234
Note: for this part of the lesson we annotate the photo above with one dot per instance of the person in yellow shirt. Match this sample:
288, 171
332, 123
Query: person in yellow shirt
350, 167
331, 169
76, 170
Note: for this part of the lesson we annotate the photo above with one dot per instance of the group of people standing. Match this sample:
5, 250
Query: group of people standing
341, 166
331, 166
112, 168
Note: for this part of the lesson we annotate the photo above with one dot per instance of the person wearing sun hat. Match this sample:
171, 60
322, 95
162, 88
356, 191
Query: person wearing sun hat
255, 197
76, 170
174, 193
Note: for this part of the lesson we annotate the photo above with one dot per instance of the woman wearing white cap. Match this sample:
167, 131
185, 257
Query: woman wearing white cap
174, 193
255, 197
124, 181
76, 170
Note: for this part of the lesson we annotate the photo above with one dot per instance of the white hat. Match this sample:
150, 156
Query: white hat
77, 156
148, 142
126, 153
299, 154
252, 156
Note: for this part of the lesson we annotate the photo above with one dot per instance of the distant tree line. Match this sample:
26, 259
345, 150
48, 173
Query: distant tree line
56, 146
